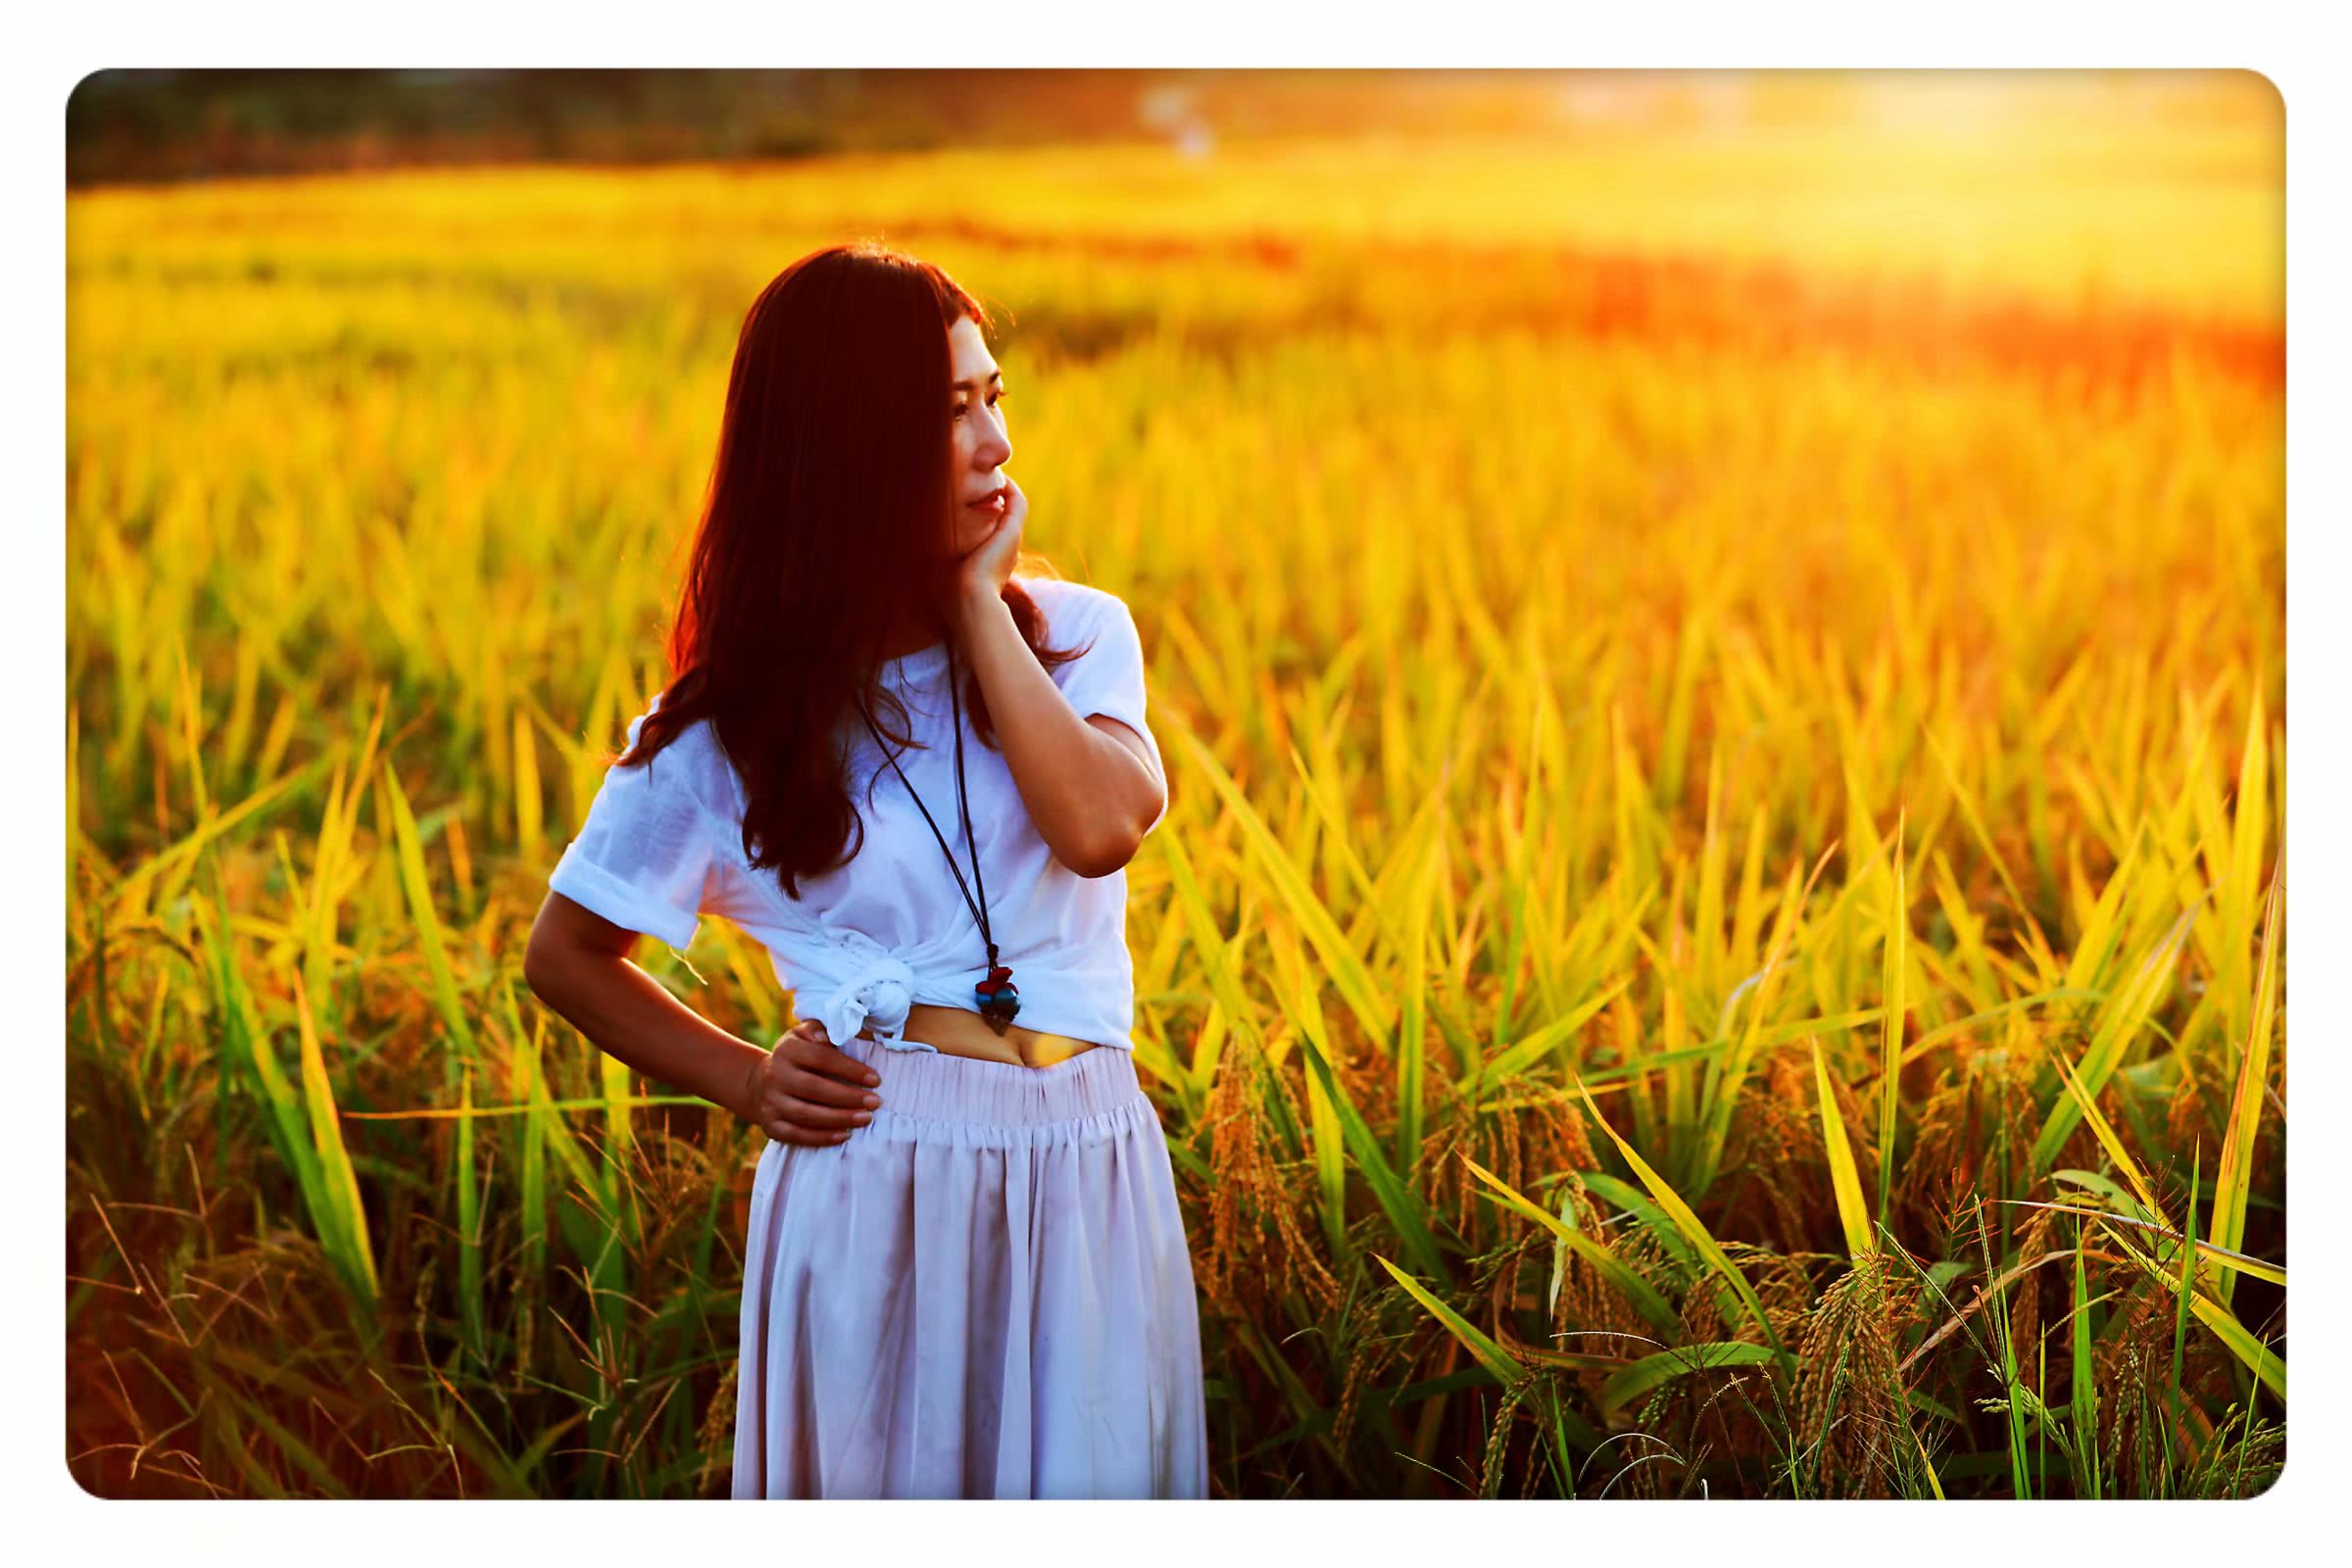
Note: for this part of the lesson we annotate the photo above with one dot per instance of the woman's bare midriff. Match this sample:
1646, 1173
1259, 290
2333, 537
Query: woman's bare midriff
961, 1032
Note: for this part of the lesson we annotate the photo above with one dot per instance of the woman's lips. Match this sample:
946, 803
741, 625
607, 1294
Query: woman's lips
994, 501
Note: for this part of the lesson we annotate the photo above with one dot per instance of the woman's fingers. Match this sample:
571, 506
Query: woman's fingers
784, 1131
820, 1089
812, 1092
810, 1113
807, 1048
784, 1088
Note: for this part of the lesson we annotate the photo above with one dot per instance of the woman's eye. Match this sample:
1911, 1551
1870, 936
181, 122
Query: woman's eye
961, 409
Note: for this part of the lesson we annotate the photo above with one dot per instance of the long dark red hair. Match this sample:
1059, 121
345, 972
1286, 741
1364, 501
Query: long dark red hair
828, 510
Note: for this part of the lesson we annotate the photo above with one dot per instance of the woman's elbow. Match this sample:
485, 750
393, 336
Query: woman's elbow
1109, 853
561, 938
541, 963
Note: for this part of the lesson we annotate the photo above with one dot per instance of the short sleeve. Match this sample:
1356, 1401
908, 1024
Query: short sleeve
643, 859
1108, 678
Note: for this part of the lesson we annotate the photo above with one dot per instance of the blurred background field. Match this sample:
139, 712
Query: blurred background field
1720, 647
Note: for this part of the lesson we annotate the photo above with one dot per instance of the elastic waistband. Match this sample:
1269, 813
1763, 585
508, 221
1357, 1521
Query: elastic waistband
938, 1087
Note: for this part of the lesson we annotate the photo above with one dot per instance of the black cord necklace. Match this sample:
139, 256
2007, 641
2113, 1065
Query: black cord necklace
1000, 1001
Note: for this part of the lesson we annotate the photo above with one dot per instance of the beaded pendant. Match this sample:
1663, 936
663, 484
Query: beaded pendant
1000, 998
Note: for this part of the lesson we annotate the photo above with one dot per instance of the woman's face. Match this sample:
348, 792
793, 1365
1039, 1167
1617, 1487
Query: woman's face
979, 448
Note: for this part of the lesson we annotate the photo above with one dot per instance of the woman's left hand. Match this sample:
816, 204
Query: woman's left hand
982, 571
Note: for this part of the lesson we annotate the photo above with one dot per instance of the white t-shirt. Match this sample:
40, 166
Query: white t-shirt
662, 845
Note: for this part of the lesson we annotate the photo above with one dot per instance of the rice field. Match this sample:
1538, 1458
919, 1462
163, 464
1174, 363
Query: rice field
1719, 930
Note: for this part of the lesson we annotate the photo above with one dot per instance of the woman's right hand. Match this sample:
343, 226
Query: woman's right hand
808, 1091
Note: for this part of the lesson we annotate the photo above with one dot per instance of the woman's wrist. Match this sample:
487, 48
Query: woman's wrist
746, 1106
972, 603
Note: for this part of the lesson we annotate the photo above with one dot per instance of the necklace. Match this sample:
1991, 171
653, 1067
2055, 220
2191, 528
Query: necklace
1000, 1001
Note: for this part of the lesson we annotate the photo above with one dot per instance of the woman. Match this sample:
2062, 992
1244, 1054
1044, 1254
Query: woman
915, 777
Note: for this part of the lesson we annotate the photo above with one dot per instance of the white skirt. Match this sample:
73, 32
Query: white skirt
985, 1292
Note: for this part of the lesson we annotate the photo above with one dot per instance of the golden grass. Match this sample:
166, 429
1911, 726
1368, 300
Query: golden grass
1659, 637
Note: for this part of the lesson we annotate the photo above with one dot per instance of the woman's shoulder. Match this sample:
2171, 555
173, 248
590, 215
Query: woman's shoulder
697, 758
1071, 606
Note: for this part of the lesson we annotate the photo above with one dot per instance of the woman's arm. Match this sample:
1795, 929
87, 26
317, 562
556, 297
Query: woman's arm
1091, 794
577, 962
805, 1090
